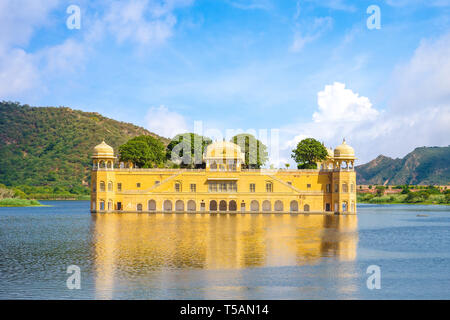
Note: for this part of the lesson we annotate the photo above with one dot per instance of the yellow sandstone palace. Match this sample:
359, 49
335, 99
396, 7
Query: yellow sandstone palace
223, 186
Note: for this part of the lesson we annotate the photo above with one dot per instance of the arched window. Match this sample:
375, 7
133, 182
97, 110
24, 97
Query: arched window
167, 206
232, 206
344, 206
102, 164
266, 205
179, 205
254, 205
110, 186
278, 205
139, 207
191, 205
151, 205
102, 185
102, 205
109, 164
110, 205
306, 207
222, 205
213, 165
213, 205
294, 206
344, 187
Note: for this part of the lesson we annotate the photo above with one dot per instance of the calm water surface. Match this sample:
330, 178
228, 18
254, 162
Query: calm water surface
156, 256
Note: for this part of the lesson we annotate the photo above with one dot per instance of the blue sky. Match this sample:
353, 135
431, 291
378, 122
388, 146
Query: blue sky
304, 68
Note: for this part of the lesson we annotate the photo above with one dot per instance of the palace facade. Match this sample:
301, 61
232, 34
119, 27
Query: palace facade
224, 186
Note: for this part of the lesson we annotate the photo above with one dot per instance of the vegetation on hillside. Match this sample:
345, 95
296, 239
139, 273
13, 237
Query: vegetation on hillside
425, 165
46, 150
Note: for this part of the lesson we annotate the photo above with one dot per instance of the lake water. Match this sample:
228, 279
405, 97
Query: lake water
181, 256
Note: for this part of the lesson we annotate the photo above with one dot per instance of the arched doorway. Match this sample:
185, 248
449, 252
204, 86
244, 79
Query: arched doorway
167, 206
232, 206
266, 205
344, 206
278, 205
179, 205
222, 205
294, 206
254, 205
151, 205
306, 207
213, 205
191, 205
139, 207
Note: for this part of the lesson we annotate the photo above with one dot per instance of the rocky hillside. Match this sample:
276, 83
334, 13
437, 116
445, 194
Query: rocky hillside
425, 165
47, 146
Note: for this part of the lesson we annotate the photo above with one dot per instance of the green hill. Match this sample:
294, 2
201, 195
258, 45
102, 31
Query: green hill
424, 165
51, 147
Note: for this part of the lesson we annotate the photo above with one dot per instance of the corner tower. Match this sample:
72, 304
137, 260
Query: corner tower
102, 178
344, 179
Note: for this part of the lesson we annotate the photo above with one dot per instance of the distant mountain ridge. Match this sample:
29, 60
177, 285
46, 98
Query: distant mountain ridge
424, 165
49, 146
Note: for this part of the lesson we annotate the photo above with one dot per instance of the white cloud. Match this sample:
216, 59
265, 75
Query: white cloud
417, 110
251, 4
338, 104
63, 58
340, 5
164, 122
409, 3
17, 72
143, 22
19, 18
314, 31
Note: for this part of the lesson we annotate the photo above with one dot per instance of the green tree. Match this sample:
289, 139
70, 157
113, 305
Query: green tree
186, 150
254, 150
144, 151
380, 190
308, 152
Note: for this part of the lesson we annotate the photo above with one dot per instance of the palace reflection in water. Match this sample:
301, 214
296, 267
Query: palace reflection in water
142, 245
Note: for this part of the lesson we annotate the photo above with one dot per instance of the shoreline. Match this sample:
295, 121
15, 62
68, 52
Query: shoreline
407, 203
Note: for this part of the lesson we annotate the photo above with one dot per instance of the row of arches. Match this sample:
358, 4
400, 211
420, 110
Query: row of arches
223, 205
102, 164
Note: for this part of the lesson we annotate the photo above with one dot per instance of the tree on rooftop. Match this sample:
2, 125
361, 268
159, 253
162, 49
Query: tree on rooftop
308, 152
